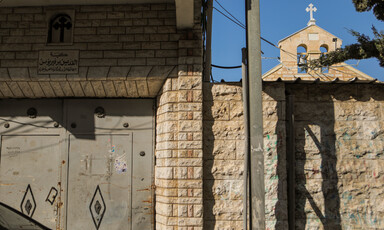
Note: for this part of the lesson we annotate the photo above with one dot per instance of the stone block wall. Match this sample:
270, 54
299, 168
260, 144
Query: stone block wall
339, 156
224, 156
275, 164
339, 169
179, 139
124, 51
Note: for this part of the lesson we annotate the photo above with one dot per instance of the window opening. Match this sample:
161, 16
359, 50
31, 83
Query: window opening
324, 51
301, 59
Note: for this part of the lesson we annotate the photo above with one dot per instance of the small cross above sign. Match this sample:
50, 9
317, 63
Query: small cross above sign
62, 23
311, 9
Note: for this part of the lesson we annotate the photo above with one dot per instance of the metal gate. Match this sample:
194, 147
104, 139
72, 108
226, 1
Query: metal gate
78, 164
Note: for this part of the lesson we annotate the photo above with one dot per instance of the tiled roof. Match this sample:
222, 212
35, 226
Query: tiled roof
334, 81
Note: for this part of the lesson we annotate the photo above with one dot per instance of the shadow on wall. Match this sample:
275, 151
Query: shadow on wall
317, 192
275, 166
339, 156
208, 179
337, 145
223, 156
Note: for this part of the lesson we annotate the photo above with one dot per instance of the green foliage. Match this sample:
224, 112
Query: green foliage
365, 46
367, 5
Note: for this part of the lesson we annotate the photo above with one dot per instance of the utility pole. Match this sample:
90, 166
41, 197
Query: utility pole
256, 159
208, 55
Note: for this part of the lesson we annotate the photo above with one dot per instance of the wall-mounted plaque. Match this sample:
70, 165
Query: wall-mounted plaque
58, 62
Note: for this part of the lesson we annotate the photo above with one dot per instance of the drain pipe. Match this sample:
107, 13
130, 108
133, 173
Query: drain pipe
246, 139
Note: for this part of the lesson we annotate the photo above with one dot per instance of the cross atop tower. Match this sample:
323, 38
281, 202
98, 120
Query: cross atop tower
311, 9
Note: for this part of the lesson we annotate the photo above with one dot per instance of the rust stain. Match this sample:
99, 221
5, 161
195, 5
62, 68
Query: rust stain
142, 190
6, 184
147, 201
63, 162
148, 210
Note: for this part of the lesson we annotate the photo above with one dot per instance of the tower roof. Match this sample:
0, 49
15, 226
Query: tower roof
309, 43
306, 28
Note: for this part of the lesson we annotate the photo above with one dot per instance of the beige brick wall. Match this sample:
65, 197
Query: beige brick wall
179, 139
223, 156
339, 163
339, 137
124, 51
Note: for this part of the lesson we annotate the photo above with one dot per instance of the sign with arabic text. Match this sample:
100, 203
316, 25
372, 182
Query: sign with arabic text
58, 62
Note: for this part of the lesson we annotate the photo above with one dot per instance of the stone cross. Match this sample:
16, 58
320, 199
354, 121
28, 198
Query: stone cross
63, 23
311, 9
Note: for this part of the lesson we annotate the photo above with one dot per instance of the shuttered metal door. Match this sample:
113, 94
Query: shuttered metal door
31, 158
79, 164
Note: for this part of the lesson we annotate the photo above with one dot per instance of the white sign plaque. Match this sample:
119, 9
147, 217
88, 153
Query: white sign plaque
313, 37
58, 62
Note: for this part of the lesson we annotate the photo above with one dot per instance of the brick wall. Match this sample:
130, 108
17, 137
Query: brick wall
339, 156
223, 156
124, 51
339, 172
179, 162
179, 148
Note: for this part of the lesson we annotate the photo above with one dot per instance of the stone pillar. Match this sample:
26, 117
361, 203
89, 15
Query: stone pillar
179, 142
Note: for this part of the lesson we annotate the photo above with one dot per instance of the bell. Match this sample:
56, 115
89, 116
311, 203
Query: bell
302, 60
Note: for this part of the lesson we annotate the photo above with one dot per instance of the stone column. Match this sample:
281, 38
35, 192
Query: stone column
179, 142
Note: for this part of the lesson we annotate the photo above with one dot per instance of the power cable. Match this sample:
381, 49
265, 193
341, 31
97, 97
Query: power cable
242, 26
230, 13
226, 67
335, 69
270, 58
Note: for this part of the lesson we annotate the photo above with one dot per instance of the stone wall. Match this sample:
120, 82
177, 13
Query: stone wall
223, 156
179, 151
275, 165
124, 51
339, 156
339, 171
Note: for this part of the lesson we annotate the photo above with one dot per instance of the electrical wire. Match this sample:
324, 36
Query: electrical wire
335, 69
230, 14
270, 58
237, 22
242, 26
226, 67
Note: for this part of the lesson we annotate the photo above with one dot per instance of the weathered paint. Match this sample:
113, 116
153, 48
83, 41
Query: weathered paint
64, 175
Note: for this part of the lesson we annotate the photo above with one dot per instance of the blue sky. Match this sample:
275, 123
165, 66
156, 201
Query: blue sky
280, 18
